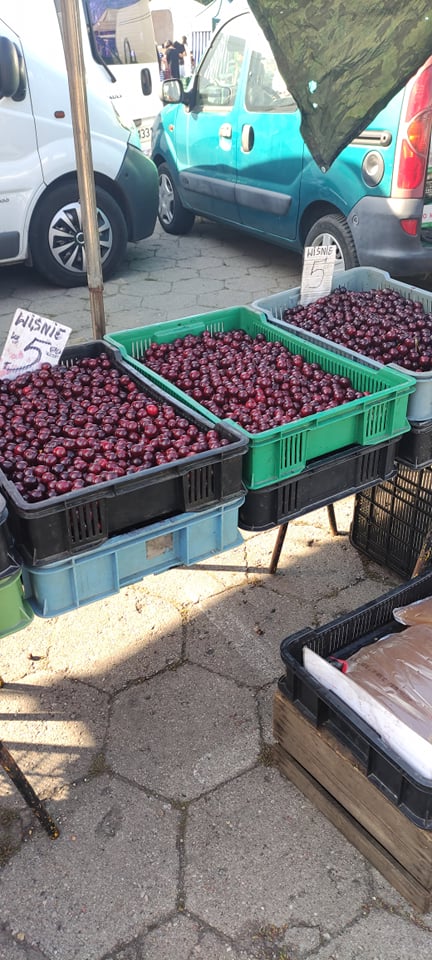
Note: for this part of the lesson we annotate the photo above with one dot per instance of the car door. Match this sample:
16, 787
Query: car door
271, 149
20, 166
207, 134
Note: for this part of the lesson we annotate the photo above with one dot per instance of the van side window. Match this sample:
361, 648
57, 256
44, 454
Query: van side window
121, 31
219, 73
266, 91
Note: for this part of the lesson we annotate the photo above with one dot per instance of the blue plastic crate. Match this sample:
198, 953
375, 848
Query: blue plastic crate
57, 588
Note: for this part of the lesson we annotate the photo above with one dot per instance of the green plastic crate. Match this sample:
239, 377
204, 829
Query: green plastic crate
15, 612
285, 450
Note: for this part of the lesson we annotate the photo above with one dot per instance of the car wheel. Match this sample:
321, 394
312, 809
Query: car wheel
334, 230
57, 239
172, 215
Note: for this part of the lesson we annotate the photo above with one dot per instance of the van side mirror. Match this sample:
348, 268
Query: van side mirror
146, 81
171, 91
12, 74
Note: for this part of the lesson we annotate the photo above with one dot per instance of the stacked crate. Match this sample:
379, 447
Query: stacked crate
299, 466
86, 544
380, 803
377, 799
390, 518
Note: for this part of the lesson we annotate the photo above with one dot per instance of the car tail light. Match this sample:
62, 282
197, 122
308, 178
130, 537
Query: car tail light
410, 227
415, 135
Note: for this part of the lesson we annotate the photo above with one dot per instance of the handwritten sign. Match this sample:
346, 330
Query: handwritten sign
317, 274
31, 341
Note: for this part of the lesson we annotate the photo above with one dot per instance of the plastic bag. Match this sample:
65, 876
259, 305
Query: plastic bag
397, 672
413, 750
415, 613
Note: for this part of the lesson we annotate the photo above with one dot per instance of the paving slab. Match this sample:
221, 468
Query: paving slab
133, 637
240, 635
54, 729
184, 732
111, 873
261, 819
378, 936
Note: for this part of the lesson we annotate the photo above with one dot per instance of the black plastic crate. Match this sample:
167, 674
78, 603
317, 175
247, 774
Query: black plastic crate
65, 525
409, 791
415, 447
391, 520
324, 481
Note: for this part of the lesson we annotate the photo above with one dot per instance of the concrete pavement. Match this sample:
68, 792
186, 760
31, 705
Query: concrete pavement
144, 720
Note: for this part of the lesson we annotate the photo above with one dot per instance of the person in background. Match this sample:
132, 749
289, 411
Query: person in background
172, 59
161, 59
180, 47
185, 58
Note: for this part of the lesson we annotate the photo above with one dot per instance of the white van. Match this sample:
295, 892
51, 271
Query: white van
40, 214
122, 36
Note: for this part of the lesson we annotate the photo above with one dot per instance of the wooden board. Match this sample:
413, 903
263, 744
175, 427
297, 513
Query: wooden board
330, 776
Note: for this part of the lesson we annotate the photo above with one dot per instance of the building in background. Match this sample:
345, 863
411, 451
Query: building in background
207, 21
173, 19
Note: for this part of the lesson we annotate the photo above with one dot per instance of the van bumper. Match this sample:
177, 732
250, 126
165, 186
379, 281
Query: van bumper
380, 240
138, 183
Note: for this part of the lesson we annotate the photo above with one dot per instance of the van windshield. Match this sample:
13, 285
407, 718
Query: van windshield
122, 30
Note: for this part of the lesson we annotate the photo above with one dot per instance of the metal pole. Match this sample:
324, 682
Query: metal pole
72, 42
25, 788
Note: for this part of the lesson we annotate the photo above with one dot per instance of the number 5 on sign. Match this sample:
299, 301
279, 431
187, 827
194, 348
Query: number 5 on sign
317, 275
32, 340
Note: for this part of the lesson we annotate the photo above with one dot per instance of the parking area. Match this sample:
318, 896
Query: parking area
163, 278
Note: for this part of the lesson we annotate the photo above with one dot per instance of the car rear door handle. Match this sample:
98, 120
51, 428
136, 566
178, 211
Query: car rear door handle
247, 138
225, 130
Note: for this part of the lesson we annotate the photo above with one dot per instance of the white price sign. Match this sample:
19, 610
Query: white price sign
317, 275
31, 341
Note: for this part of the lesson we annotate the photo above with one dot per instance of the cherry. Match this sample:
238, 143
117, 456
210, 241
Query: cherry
240, 376
67, 427
381, 324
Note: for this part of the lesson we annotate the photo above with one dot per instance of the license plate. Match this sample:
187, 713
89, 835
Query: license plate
144, 132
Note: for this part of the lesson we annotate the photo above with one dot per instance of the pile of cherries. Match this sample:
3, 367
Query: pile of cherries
257, 383
67, 427
380, 324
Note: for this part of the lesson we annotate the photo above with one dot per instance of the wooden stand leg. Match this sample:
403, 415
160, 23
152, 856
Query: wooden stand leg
281, 534
332, 520
13, 771
278, 547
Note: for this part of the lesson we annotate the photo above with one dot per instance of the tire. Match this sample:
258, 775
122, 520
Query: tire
334, 229
172, 215
57, 242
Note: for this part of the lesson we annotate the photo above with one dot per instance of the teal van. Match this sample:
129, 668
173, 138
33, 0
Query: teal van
229, 149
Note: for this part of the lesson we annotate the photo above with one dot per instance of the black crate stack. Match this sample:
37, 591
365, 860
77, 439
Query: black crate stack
392, 519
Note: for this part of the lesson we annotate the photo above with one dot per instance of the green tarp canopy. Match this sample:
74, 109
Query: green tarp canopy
344, 60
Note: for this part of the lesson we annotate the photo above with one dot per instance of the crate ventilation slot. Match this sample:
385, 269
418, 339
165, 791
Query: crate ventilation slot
85, 522
201, 485
291, 452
